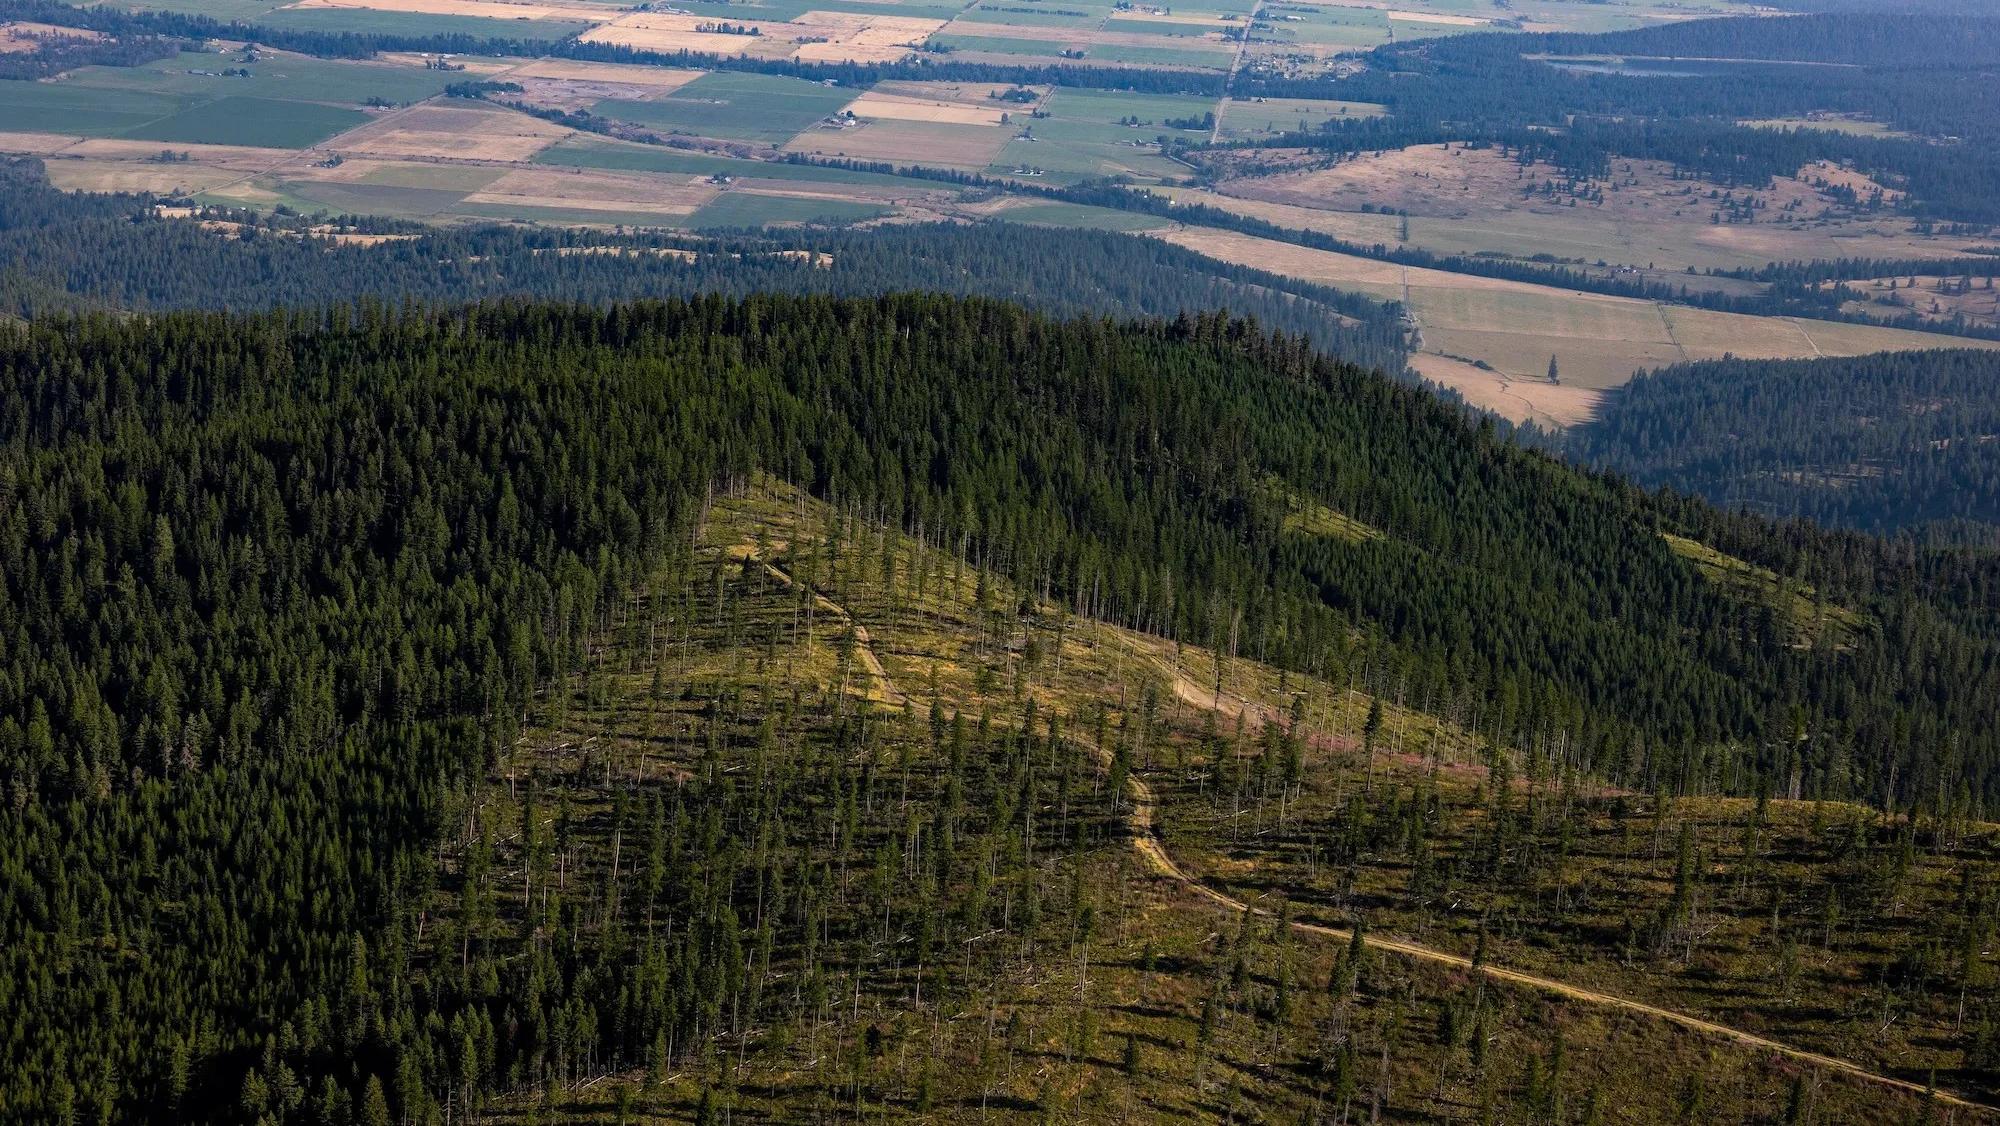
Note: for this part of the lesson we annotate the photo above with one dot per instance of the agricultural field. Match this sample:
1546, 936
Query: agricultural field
1249, 118
1514, 328
286, 101
819, 36
763, 109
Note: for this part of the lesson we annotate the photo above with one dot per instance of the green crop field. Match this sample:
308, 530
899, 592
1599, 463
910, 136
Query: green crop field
63, 108
417, 23
1017, 13
264, 122
1043, 48
1053, 214
735, 106
288, 77
741, 209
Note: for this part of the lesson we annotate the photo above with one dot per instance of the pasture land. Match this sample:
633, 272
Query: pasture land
1462, 200
735, 106
906, 142
1243, 118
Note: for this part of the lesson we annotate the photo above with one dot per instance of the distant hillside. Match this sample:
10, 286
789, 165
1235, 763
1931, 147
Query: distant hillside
1902, 443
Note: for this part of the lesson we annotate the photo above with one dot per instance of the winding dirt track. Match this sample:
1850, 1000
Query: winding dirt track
1145, 837
1143, 822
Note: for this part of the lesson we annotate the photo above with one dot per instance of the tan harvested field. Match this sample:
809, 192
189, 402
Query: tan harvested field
848, 36
226, 156
898, 107
1354, 226
596, 191
648, 31
1598, 341
1085, 36
21, 36
1465, 201
35, 144
134, 176
410, 174
1437, 17
931, 143
615, 74
489, 9
1546, 404
455, 132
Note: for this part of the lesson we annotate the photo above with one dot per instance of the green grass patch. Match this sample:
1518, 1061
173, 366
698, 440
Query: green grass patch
1795, 603
741, 209
1054, 214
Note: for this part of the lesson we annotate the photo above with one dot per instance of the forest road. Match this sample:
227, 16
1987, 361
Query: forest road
1146, 838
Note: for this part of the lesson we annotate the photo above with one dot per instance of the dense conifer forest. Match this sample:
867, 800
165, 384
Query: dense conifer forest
278, 587
108, 251
1897, 443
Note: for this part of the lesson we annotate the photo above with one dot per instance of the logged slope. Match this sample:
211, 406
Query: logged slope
276, 587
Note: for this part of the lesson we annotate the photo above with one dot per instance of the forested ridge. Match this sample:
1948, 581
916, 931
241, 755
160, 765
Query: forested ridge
277, 586
1894, 443
110, 251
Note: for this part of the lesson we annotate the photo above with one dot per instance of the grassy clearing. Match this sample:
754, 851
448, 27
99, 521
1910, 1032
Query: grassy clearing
1809, 618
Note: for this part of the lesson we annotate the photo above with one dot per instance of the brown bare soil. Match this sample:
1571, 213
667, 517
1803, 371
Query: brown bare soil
596, 191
